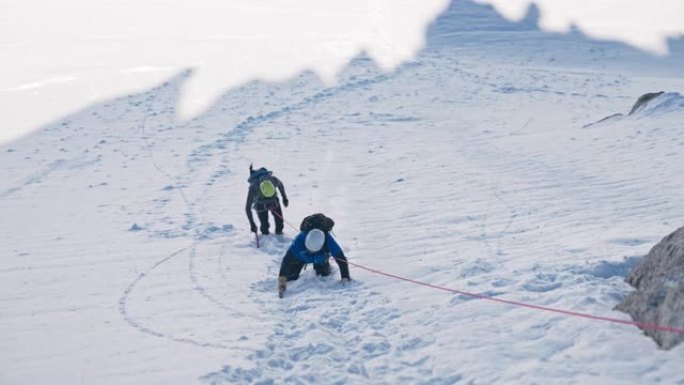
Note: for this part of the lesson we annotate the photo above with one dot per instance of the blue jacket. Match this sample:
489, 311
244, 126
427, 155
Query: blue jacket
298, 248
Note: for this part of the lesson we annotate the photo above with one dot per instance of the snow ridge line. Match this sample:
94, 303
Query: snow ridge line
123, 300
251, 121
154, 162
641, 325
202, 290
123, 310
57, 165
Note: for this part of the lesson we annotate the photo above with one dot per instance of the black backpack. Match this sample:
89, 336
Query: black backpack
317, 221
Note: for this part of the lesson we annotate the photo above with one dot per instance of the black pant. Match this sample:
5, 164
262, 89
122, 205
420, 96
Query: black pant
291, 267
263, 209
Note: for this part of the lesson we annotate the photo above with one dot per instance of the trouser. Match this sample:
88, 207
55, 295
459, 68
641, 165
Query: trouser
262, 212
291, 267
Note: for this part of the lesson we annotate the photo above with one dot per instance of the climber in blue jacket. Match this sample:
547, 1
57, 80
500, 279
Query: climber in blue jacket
316, 247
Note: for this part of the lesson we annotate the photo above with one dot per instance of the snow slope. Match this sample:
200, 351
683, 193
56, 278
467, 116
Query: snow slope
127, 257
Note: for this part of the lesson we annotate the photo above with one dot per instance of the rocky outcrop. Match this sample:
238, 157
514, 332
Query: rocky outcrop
659, 296
643, 101
649, 104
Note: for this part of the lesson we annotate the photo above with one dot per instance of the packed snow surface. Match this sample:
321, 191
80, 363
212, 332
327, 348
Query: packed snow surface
127, 257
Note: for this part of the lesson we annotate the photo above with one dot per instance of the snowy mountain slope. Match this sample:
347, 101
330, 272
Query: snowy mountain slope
479, 33
129, 259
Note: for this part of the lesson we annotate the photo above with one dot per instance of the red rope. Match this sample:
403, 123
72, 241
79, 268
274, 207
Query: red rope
514, 303
281, 217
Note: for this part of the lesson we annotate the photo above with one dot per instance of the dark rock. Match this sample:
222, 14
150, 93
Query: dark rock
651, 103
135, 227
643, 101
659, 296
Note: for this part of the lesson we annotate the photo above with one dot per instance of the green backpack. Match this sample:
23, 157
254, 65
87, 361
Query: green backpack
267, 189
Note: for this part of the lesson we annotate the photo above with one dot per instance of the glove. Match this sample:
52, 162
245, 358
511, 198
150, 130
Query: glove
285, 202
345, 281
252, 227
282, 283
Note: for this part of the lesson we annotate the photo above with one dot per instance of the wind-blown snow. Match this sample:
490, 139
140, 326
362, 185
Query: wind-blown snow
647, 25
60, 56
128, 257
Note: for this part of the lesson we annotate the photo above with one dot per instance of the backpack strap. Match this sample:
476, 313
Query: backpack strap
255, 175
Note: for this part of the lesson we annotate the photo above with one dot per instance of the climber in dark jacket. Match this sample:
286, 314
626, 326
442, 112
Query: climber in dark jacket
263, 197
316, 247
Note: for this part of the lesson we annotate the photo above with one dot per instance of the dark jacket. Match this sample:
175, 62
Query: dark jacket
256, 200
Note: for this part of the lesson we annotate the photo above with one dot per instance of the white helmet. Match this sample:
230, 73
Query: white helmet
314, 240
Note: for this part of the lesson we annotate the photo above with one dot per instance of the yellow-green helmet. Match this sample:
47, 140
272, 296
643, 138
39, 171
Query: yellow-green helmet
267, 189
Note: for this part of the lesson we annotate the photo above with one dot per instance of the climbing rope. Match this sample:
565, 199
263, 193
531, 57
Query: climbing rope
641, 325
